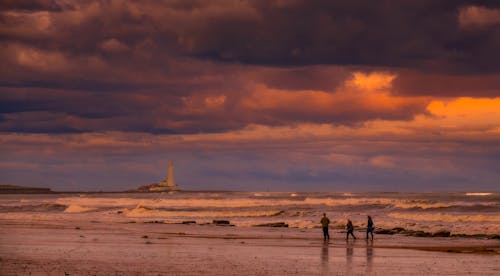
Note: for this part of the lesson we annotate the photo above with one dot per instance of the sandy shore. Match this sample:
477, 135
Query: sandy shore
96, 248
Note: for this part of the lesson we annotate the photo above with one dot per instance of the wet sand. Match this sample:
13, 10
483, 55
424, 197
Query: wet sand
92, 248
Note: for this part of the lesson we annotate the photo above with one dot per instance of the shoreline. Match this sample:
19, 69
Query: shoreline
452, 244
11, 217
83, 247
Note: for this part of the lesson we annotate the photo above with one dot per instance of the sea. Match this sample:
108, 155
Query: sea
458, 213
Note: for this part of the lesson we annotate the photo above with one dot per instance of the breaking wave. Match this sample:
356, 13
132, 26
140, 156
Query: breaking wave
141, 211
478, 194
455, 212
78, 209
44, 207
445, 217
361, 203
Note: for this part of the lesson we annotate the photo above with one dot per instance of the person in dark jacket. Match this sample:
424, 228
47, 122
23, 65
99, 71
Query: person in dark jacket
370, 227
324, 224
350, 229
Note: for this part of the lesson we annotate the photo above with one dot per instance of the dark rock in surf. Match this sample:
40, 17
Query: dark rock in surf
221, 222
398, 229
385, 231
419, 234
272, 224
441, 234
413, 233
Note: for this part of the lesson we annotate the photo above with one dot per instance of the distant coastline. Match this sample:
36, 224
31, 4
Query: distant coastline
16, 189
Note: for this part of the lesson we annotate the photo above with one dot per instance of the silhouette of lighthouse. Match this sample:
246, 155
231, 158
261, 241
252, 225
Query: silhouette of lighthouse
170, 175
169, 182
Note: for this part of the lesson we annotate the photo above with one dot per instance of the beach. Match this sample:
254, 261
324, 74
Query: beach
46, 235
87, 248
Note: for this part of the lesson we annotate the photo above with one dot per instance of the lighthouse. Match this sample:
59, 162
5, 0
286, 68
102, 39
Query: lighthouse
170, 175
167, 184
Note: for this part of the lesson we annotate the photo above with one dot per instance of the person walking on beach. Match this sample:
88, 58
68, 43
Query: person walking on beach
350, 229
370, 227
324, 223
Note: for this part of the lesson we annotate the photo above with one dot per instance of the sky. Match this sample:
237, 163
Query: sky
275, 95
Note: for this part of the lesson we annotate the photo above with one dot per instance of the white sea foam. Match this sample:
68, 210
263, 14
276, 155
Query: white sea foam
442, 217
478, 194
140, 211
190, 202
459, 213
78, 209
263, 202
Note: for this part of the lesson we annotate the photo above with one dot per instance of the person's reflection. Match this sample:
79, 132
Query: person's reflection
325, 266
369, 256
349, 251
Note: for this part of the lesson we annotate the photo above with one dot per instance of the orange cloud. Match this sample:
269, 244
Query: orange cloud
372, 81
467, 113
364, 94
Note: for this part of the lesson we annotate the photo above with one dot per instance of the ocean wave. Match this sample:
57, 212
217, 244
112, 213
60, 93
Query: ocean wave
44, 207
361, 203
478, 194
168, 203
141, 211
78, 209
444, 217
396, 203
459, 208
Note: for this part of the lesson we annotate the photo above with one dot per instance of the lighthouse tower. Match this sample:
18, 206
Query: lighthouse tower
170, 176
167, 184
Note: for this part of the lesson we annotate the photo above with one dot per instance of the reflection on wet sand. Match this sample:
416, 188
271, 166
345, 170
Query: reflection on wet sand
349, 251
369, 256
325, 266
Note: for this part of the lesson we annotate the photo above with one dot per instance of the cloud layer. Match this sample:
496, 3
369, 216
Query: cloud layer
363, 92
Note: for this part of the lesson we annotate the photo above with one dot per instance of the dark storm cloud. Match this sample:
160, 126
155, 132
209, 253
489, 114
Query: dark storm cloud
324, 78
441, 85
209, 110
32, 5
89, 105
213, 66
89, 85
360, 94
56, 111
415, 34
